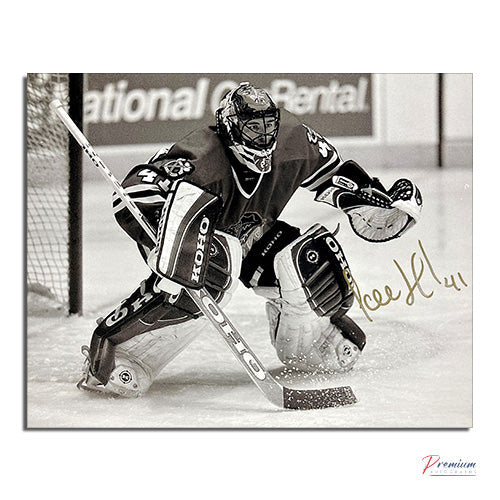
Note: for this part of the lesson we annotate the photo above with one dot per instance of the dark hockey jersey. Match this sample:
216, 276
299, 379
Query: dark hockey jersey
252, 201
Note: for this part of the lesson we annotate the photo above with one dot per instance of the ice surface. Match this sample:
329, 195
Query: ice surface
416, 370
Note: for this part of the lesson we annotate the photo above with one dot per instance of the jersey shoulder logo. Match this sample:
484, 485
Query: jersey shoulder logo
175, 169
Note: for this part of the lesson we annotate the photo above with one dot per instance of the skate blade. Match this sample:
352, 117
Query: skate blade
96, 387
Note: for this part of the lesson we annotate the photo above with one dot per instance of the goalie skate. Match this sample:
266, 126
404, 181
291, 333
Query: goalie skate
87, 381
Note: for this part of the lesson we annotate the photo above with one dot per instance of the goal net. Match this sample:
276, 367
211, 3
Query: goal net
53, 195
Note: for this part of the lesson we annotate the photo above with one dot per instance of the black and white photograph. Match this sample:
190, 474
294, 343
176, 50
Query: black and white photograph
249, 251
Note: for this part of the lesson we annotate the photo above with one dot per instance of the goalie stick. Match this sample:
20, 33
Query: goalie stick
276, 393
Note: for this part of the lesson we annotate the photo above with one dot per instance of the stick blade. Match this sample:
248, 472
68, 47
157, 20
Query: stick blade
314, 399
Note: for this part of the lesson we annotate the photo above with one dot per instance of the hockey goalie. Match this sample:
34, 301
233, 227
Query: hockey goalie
214, 199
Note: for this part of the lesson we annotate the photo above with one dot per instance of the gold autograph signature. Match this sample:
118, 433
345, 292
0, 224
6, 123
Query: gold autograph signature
371, 302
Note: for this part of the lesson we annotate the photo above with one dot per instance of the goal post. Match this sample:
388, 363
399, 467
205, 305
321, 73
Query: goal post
75, 198
53, 194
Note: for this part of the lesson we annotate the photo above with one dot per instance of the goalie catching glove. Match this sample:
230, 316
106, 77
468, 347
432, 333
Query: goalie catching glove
375, 214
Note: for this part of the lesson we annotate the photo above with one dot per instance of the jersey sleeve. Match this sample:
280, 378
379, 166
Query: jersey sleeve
149, 184
145, 186
331, 178
323, 161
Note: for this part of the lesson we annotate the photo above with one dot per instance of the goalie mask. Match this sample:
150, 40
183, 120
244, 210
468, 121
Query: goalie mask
248, 122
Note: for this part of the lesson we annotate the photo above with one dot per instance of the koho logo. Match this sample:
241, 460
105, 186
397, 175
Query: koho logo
199, 255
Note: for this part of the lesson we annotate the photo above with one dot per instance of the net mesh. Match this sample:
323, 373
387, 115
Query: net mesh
47, 148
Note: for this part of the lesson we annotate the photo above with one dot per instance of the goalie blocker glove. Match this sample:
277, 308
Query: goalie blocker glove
185, 232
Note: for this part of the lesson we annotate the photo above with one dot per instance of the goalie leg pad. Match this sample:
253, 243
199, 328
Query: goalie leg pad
150, 308
318, 345
138, 361
311, 273
146, 309
313, 294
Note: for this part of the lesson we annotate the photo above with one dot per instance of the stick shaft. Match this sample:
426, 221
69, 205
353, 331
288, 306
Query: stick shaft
58, 108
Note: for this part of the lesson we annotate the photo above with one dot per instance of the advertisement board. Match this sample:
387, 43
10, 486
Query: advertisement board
142, 108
